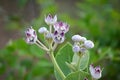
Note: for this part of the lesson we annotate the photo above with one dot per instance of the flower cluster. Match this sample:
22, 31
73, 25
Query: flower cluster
60, 28
57, 35
81, 44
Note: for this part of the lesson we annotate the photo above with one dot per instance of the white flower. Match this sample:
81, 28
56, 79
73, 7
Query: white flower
76, 48
31, 36
58, 37
88, 44
95, 72
43, 30
50, 20
61, 27
76, 38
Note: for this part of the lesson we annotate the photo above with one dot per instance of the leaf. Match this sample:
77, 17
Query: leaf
84, 61
79, 75
65, 54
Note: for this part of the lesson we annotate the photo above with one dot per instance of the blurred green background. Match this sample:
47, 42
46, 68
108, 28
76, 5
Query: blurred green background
98, 20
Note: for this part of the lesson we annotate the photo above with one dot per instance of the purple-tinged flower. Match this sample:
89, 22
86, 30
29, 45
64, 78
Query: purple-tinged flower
43, 30
58, 37
61, 27
88, 44
50, 20
76, 48
95, 71
31, 36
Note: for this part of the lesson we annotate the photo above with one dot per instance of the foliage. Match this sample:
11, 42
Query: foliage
19, 60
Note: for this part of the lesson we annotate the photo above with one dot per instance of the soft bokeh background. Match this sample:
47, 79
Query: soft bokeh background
98, 20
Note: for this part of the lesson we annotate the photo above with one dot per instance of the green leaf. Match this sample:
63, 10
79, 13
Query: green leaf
79, 75
84, 61
65, 54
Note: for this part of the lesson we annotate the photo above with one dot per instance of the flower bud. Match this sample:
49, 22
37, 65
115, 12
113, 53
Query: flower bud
76, 38
88, 44
43, 30
76, 48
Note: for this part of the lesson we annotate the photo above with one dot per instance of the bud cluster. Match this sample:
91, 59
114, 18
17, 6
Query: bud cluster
81, 44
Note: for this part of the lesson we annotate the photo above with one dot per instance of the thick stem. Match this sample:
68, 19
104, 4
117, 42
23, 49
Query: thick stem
54, 46
56, 66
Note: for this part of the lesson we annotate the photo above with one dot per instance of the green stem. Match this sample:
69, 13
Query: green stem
42, 44
50, 28
56, 66
41, 47
78, 63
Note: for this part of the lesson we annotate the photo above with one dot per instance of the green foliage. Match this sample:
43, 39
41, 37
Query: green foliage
23, 61
64, 55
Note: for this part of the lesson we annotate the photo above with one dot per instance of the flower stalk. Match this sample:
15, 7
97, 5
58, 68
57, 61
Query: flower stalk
56, 65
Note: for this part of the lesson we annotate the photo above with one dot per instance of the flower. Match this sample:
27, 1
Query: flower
95, 71
88, 44
76, 38
31, 36
50, 20
76, 48
58, 37
43, 30
61, 27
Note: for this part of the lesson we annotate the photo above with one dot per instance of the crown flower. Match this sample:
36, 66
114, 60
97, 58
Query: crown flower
61, 27
50, 20
95, 71
31, 36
